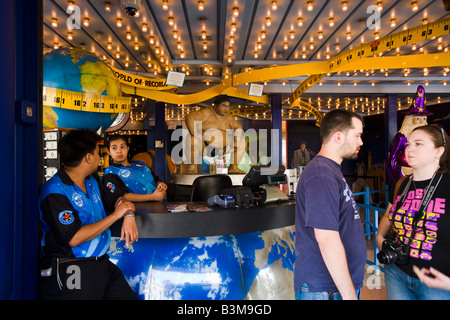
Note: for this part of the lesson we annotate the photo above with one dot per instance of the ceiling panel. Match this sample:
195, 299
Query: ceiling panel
221, 38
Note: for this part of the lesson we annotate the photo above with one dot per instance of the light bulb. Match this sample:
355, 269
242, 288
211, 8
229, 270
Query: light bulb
331, 22
393, 23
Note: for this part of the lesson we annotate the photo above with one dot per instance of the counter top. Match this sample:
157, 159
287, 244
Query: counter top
188, 179
155, 221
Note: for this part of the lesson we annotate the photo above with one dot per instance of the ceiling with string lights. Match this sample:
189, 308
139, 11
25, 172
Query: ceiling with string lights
212, 40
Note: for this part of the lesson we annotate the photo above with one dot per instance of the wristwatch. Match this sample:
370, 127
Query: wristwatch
130, 214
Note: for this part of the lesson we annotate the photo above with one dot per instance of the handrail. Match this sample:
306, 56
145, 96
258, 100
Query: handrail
371, 220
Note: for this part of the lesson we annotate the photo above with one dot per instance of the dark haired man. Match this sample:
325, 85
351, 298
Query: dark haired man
73, 208
301, 156
330, 244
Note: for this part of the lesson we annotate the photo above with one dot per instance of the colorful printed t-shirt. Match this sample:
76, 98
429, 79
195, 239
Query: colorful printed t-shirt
431, 244
325, 201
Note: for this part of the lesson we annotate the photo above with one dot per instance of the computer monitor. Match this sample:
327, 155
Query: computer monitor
259, 175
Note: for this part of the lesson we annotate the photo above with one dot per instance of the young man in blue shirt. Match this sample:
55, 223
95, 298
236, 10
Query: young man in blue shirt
76, 211
330, 243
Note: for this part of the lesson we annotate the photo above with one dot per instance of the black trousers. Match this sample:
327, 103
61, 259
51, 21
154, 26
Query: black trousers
85, 279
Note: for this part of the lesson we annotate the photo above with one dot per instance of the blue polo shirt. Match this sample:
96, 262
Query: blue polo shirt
137, 178
64, 208
325, 201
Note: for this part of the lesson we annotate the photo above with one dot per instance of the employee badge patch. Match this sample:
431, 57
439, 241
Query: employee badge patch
66, 217
111, 186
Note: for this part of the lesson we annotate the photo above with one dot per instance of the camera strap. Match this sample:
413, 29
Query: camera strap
420, 212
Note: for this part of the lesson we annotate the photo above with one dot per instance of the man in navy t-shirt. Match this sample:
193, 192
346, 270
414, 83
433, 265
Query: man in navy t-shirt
329, 242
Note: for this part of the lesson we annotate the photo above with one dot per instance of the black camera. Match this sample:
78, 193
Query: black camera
393, 252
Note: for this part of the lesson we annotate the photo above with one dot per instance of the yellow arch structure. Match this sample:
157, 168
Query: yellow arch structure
354, 59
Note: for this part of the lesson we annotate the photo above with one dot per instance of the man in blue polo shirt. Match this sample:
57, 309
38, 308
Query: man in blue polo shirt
73, 207
329, 238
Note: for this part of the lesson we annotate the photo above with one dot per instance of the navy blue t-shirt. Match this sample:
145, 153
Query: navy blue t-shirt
325, 201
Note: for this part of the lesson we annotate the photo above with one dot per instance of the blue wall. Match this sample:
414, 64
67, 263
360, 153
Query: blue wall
20, 82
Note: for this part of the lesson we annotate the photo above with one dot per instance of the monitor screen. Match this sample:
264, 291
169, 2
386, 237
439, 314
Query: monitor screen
258, 175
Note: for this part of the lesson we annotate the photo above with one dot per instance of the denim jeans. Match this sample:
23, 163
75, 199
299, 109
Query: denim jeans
305, 294
400, 286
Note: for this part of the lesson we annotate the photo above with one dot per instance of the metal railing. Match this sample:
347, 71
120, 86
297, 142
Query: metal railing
372, 214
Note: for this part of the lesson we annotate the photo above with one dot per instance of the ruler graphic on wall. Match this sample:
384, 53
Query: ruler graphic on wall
80, 101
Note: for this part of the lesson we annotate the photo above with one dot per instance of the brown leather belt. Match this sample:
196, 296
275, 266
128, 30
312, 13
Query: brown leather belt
64, 260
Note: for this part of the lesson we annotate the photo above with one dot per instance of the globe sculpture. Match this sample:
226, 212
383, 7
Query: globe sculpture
256, 265
80, 91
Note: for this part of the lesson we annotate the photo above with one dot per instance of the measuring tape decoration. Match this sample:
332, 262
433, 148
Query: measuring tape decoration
354, 59
305, 85
308, 107
389, 42
295, 101
223, 88
81, 101
360, 55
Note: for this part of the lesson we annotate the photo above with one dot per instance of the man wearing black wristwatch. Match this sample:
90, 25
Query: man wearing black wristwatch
76, 211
